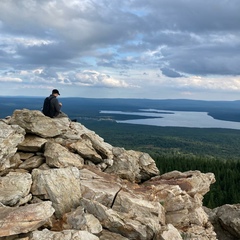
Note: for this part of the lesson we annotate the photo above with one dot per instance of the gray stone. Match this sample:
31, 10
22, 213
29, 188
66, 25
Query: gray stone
14, 187
132, 165
99, 186
35, 122
10, 137
86, 150
61, 186
128, 226
58, 156
63, 235
229, 218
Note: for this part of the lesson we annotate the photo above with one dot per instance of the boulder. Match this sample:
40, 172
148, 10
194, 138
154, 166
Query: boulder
103, 148
37, 123
58, 156
170, 233
32, 143
132, 165
226, 221
77, 219
132, 227
107, 235
60, 186
10, 137
63, 235
14, 187
99, 186
135, 206
32, 162
191, 181
84, 148
15, 220
229, 217
181, 195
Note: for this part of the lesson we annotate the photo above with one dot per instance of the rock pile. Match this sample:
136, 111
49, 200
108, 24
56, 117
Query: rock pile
59, 180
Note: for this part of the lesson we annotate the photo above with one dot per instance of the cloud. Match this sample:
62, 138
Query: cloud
195, 83
170, 73
94, 78
10, 79
57, 42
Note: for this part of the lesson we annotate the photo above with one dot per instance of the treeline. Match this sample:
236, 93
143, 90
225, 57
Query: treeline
219, 143
226, 188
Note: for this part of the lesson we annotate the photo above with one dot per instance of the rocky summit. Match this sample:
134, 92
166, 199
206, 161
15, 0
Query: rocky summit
60, 180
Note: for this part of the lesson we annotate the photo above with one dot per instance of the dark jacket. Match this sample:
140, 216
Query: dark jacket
55, 108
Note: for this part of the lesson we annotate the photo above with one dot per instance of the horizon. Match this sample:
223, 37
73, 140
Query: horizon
124, 98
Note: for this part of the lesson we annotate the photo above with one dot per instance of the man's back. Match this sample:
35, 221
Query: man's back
48, 109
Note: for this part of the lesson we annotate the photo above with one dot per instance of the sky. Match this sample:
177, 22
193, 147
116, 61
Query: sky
158, 49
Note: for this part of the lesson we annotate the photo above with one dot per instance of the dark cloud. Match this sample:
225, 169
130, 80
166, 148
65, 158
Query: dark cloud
170, 73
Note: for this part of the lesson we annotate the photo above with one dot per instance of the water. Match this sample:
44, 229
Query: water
166, 118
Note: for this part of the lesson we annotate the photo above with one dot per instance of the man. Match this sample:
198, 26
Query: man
52, 107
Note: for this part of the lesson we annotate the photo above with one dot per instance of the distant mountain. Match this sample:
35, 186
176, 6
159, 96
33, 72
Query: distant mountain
84, 107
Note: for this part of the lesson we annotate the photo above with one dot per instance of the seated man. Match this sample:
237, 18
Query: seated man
52, 107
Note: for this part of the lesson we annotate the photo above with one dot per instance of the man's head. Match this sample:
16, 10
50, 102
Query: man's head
55, 92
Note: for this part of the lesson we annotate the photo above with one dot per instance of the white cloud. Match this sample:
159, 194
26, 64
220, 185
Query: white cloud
10, 79
94, 78
205, 83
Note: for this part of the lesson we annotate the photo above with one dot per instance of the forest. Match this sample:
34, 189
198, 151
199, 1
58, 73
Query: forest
213, 150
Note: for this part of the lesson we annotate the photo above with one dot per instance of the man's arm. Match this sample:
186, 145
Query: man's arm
56, 105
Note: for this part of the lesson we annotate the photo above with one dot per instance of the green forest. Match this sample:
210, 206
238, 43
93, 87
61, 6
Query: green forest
183, 149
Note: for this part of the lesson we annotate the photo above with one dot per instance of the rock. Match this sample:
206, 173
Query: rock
14, 187
61, 186
10, 137
93, 225
229, 217
118, 222
58, 156
134, 205
32, 143
64, 235
191, 181
99, 186
79, 220
181, 196
107, 235
24, 156
86, 150
32, 162
103, 148
76, 131
170, 233
34, 216
132, 165
74, 220
35, 122
226, 221
186, 217
15, 161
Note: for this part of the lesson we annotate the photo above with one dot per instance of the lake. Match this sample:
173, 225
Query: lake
166, 118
